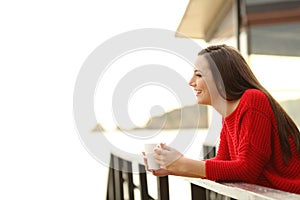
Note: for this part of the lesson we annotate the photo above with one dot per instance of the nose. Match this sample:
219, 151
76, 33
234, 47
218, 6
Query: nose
192, 82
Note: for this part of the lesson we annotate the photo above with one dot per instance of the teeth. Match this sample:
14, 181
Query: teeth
198, 91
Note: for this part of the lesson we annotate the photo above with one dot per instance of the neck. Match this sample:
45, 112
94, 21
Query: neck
224, 107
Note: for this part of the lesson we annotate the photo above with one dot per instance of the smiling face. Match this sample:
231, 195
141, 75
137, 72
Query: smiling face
203, 82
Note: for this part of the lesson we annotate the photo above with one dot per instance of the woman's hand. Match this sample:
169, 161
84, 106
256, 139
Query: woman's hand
155, 172
172, 162
166, 157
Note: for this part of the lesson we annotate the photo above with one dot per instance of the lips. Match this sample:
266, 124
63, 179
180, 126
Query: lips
198, 92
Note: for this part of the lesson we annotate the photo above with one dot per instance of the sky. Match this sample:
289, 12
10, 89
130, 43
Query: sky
43, 46
146, 99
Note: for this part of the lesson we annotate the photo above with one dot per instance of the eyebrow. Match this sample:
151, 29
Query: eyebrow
196, 70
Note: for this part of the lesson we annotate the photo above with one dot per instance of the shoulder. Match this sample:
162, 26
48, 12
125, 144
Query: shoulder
254, 99
254, 96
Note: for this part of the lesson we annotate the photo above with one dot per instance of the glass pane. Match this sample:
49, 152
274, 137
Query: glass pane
279, 39
255, 2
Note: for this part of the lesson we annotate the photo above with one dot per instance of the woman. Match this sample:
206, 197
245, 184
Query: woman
260, 144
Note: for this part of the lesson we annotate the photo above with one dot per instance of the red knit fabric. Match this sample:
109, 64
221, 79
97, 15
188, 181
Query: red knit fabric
249, 149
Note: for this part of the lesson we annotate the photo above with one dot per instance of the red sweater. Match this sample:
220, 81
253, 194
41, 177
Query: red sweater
249, 149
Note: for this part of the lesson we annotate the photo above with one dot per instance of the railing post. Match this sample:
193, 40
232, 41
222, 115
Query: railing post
119, 193
120, 172
110, 195
209, 151
143, 183
129, 177
163, 188
198, 192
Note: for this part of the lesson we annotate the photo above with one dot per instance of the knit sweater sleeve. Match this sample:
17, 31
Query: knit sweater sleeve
223, 152
253, 150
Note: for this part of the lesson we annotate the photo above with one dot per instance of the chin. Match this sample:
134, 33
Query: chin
202, 102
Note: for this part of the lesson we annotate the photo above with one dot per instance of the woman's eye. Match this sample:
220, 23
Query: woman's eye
199, 75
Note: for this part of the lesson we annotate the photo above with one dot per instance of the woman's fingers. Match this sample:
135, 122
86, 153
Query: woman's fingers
145, 158
158, 151
166, 155
146, 162
166, 147
162, 149
160, 159
161, 172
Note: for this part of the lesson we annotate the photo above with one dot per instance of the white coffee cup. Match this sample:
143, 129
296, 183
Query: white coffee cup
149, 151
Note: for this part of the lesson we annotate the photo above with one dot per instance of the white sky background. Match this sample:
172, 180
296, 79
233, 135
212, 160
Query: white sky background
144, 99
42, 46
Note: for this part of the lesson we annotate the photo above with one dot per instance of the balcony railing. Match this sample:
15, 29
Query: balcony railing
121, 184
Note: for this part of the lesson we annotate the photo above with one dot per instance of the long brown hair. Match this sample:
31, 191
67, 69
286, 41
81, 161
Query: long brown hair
233, 77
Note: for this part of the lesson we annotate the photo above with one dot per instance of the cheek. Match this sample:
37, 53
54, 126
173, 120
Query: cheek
201, 83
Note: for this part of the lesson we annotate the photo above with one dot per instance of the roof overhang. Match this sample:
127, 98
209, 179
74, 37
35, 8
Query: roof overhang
203, 18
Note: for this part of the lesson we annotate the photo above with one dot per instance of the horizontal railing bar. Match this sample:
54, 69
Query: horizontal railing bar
243, 190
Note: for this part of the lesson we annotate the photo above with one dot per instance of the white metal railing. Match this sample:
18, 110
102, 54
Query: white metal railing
200, 188
241, 190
